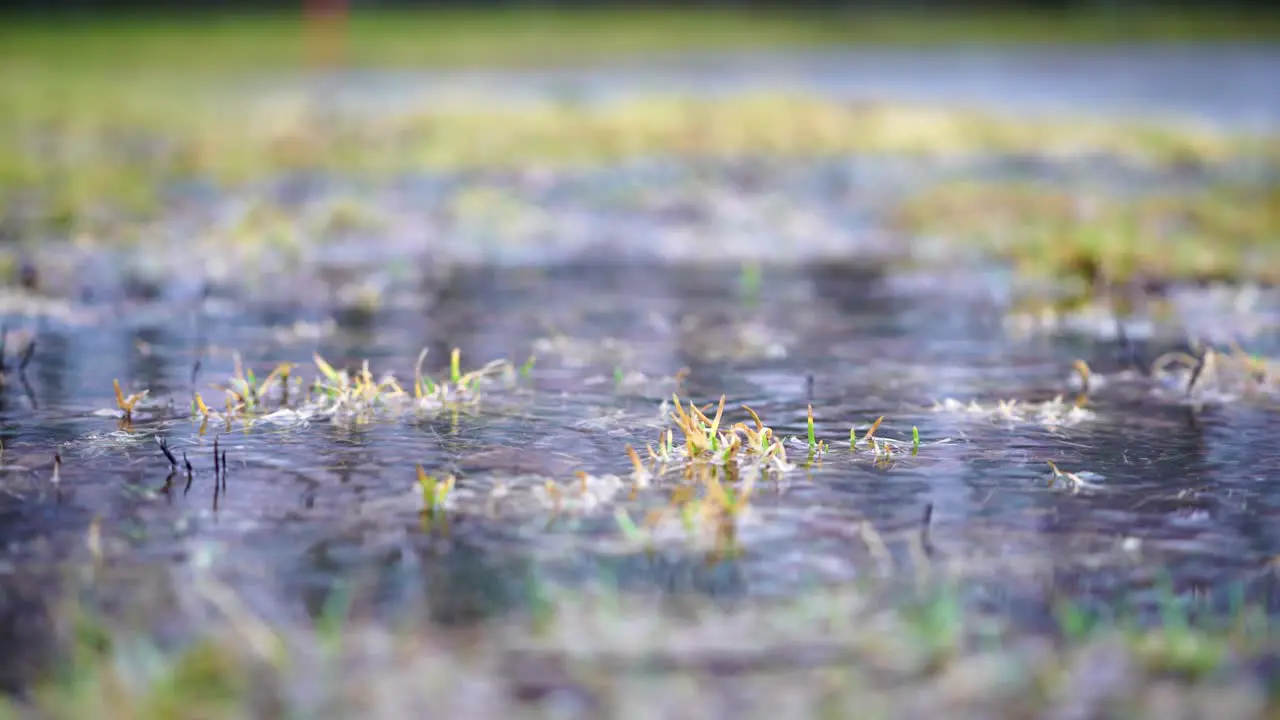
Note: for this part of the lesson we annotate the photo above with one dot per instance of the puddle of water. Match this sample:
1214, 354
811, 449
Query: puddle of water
319, 502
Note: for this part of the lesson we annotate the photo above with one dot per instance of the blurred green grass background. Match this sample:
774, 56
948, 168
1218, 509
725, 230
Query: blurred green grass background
472, 37
104, 111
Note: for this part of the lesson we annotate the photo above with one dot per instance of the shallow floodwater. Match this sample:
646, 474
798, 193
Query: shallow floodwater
1176, 489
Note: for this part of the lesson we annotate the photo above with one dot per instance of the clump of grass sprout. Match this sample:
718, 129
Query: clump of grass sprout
716, 468
1203, 375
435, 491
127, 404
348, 397
704, 441
1216, 375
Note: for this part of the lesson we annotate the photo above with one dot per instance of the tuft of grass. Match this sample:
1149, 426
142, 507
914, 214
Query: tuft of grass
341, 396
705, 442
127, 404
435, 492
1234, 374
882, 449
716, 467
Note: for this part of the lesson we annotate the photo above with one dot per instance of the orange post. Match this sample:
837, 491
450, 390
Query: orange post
326, 22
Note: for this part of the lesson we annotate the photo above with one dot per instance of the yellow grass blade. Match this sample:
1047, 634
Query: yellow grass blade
872, 430
325, 368
635, 460
715, 424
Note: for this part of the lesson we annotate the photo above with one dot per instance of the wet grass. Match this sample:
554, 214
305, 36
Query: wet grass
694, 488
1209, 376
870, 647
80, 160
520, 37
344, 397
701, 474
82, 147
1094, 238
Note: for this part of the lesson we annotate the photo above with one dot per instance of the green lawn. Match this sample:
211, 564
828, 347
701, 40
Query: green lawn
453, 38
101, 114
